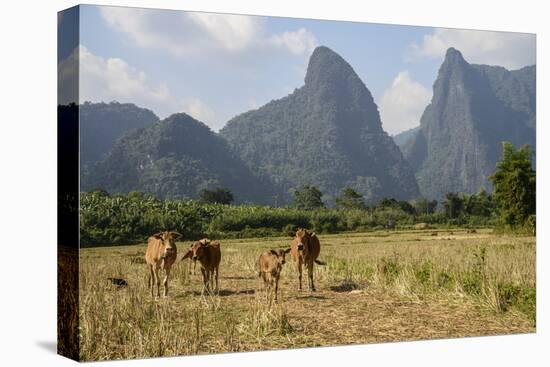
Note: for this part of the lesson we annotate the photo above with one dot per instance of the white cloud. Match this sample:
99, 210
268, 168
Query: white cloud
202, 112
113, 79
231, 32
185, 33
511, 50
300, 42
403, 103
132, 22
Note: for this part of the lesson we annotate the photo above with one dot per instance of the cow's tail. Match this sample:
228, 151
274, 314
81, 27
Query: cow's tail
319, 262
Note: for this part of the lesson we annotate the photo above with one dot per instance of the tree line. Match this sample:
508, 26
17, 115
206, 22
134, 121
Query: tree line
126, 218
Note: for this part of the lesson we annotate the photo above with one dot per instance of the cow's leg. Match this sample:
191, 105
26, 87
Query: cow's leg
151, 280
157, 280
209, 280
276, 286
264, 280
269, 286
204, 280
165, 282
299, 265
212, 280
310, 276
217, 279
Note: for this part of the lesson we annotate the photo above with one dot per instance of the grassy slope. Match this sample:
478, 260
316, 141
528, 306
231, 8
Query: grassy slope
376, 287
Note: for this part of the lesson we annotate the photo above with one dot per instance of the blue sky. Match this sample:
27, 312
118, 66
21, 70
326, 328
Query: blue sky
216, 66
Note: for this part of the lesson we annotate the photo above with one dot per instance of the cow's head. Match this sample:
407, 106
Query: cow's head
198, 248
280, 253
303, 236
168, 240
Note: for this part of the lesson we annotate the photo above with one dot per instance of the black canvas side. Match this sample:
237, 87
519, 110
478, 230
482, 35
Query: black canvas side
68, 184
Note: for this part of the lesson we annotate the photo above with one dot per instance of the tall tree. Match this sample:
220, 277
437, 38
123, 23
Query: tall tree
216, 196
350, 199
424, 206
514, 184
308, 198
479, 204
453, 204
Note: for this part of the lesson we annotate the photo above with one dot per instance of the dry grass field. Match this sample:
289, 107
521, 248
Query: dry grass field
376, 287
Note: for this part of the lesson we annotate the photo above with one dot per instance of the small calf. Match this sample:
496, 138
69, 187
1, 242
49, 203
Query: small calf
209, 255
270, 265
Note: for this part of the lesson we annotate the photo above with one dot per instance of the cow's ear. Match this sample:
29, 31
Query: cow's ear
176, 235
287, 250
158, 236
274, 252
187, 254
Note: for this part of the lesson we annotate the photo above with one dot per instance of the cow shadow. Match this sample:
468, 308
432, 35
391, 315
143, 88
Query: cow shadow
238, 278
344, 287
223, 292
311, 296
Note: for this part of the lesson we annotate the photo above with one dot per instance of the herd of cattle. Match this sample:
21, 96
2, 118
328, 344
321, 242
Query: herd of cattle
161, 254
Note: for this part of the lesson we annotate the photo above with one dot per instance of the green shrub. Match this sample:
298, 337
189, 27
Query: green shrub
520, 298
423, 273
122, 219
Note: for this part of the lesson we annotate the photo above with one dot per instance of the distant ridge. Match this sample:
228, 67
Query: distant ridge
474, 108
175, 158
403, 137
101, 124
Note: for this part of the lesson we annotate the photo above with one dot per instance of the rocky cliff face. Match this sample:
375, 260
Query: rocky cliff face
327, 133
474, 108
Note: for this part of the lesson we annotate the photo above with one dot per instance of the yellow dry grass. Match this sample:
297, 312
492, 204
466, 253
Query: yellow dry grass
376, 287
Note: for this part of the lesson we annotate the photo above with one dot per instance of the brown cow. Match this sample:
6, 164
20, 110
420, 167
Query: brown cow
161, 254
208, 254
305, 248
270, 265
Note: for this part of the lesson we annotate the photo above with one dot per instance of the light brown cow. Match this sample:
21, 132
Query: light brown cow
270, 265
161, 254
209, 255
305, 249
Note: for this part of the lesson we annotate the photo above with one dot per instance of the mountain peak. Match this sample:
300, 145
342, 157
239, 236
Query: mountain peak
327, 133
453, 56
325, 65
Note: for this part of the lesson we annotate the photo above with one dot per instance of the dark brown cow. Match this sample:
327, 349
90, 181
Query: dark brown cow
209, 255
270, 265
305, 249
161, 254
